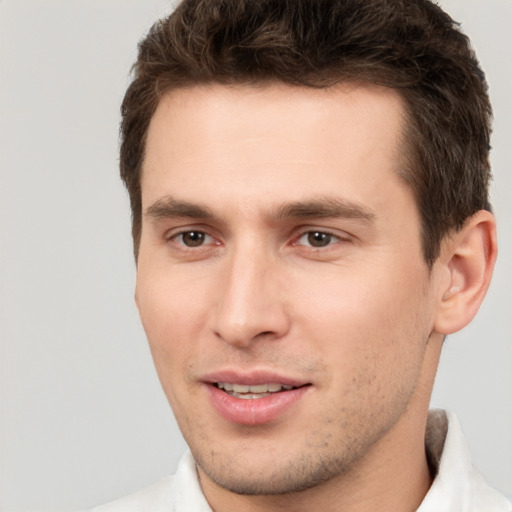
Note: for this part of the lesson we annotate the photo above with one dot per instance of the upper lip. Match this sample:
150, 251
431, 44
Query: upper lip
252, 378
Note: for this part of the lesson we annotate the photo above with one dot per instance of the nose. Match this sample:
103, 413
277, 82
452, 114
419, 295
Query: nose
251, 304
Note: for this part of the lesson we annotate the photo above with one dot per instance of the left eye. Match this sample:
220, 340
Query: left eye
193, 238
317, 239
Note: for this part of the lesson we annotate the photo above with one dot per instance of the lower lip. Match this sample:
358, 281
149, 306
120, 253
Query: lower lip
256, 411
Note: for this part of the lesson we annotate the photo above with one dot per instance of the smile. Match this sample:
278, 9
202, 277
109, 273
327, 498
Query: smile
252, 392
257, 402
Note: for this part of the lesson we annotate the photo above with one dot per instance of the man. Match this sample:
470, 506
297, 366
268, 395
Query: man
309, 191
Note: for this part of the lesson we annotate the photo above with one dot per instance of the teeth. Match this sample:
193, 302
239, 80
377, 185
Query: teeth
240, 388
250, 390
261, 388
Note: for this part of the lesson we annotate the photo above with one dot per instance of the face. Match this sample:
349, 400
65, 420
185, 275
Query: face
281, 281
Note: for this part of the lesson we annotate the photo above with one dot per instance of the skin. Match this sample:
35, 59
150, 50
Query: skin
359, 317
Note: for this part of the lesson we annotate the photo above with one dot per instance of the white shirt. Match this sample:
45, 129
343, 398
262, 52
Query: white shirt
457, 487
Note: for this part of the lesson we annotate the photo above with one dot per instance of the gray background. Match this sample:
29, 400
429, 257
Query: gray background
83, 419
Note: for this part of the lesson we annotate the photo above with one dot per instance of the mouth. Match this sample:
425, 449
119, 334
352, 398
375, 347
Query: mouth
255, 403
255, 397
254, 392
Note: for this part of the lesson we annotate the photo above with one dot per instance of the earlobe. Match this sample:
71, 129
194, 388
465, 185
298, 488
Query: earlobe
468, 259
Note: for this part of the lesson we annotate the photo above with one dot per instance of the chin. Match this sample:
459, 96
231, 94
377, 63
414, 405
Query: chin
265, 477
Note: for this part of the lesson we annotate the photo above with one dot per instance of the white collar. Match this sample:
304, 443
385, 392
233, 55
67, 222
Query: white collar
457, 485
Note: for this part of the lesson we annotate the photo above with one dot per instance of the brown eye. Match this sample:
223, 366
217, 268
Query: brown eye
319, 239
193, 238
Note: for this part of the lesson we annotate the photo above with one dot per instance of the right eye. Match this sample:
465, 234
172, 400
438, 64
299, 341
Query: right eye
192, 238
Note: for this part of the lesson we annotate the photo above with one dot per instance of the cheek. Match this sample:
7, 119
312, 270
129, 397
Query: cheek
365, 319
170, 314
366, 329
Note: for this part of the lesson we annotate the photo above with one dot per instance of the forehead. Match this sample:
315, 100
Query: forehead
274, 141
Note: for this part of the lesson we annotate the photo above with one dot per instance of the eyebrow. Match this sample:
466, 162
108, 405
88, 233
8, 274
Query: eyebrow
168, 208
323, 207
317, 208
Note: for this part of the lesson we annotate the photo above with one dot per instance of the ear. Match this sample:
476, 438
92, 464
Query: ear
467, 260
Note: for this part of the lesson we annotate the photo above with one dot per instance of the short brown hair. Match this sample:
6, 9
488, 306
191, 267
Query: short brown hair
409, 45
